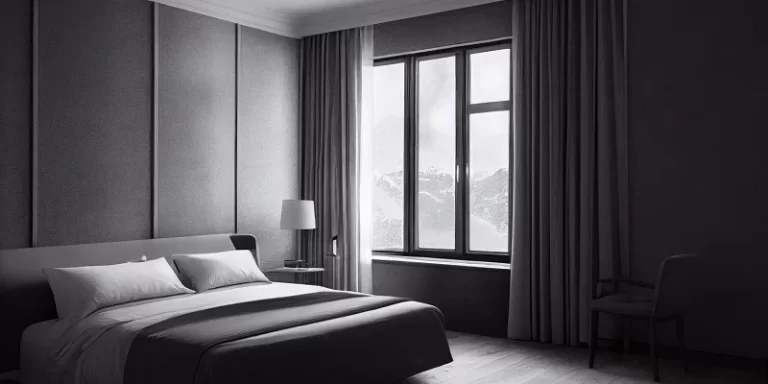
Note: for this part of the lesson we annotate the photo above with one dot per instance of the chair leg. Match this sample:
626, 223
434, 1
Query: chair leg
626, 323
681, 342
593, 322
654, 357
766, 371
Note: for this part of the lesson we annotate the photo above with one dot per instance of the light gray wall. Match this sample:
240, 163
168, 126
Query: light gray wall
95, 114
15, 122
698, 108
267, 142
196, 129
96, 133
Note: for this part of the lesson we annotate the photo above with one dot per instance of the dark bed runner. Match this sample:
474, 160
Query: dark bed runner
170, 351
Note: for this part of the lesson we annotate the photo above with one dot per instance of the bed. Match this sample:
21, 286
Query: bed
257, 332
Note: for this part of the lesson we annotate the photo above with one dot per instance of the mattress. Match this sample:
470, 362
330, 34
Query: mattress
97, 348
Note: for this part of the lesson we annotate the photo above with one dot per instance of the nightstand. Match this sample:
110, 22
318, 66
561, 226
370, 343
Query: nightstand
311, 276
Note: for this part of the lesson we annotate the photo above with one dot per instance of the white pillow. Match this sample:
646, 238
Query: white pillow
81, 291
204, 271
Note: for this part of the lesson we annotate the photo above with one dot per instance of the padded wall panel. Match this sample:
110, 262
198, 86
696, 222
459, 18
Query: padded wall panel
15, 122
268, 140
473, 300
95, 118
196, 149
465, 25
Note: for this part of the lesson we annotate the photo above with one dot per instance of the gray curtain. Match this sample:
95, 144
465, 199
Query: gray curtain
569, 215
333, 67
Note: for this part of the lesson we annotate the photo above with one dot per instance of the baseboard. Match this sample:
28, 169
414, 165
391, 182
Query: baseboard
694, 356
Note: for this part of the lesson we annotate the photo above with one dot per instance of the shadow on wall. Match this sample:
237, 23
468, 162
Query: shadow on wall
698, 107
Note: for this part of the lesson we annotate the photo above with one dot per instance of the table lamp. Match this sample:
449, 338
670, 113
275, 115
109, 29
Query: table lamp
297, 215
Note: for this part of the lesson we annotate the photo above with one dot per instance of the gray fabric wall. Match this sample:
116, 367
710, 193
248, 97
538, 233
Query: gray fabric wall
698, 114
96, 138
15, 122
196, 145
465, 25
267, 142
95, 113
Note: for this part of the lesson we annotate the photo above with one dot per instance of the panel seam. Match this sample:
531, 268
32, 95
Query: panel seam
238, 48
34, 174
155, 120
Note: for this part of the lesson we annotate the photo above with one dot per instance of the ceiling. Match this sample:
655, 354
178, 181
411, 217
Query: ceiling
298, 18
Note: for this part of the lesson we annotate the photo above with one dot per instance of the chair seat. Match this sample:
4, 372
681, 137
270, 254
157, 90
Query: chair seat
624, 304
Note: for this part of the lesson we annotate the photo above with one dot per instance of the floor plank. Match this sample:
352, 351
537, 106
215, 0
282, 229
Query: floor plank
485, 360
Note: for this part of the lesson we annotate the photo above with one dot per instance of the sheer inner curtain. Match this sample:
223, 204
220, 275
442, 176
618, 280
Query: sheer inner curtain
336, 123
569, 216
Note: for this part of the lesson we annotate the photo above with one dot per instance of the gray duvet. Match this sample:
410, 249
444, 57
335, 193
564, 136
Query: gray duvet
325, 337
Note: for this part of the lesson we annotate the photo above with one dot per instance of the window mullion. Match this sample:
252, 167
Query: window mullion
411, 156
489, 107
461, 154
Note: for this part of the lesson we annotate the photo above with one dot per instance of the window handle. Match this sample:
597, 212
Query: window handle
458, 173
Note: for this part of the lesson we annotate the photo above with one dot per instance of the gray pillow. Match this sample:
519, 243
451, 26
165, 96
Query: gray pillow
204, 271
80, 291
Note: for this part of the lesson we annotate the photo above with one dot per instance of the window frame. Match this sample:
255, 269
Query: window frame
464, 109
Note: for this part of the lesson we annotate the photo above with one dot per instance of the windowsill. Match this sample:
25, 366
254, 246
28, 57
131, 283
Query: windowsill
431, 261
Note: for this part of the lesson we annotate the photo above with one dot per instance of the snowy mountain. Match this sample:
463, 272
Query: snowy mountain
489, 202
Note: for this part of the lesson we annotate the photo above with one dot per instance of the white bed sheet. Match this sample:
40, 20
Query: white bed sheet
94, 350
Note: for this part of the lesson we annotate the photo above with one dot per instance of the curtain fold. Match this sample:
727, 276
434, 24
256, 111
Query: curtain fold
334, 97
569, 204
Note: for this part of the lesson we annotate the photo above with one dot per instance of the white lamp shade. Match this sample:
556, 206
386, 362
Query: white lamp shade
298, 214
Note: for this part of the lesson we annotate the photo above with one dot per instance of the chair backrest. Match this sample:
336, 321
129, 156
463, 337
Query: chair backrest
673, 285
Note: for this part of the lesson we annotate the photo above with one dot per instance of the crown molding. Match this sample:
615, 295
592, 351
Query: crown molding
379, 12
367, 14
254, 17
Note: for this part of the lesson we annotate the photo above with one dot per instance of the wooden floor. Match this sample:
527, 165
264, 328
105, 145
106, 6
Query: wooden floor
485, 360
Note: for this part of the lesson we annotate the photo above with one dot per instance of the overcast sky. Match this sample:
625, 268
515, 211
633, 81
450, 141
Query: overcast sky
437, 124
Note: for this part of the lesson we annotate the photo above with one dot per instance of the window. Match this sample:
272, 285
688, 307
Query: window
389, 157
441, 154
436, 181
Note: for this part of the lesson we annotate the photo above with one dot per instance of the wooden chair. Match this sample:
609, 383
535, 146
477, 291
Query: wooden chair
663, 301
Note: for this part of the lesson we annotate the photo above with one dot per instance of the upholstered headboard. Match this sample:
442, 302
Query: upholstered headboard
26, 298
